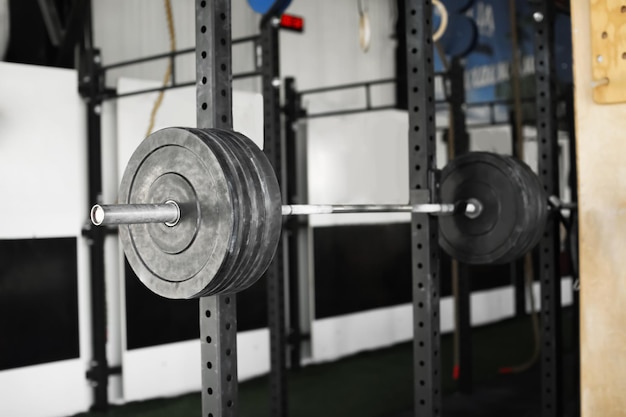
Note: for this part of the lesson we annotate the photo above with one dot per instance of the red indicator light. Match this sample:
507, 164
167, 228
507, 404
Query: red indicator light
291, 22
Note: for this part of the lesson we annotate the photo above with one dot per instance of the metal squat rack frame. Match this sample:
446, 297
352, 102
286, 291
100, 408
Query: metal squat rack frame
423, 172
218, 313
218, 324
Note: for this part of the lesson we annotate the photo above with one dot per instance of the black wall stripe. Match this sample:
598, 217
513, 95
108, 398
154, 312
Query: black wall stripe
38, 301
153, 320
362, 267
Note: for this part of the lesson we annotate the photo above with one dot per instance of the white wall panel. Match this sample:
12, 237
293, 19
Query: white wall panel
129, 29
43, 153
43, 166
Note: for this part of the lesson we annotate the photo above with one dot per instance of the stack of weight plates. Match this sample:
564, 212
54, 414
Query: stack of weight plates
230, 212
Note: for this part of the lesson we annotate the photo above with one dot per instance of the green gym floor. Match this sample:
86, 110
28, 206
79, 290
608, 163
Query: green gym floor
371, 384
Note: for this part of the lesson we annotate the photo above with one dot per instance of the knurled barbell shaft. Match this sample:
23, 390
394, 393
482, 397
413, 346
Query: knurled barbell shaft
309, 209
169, 212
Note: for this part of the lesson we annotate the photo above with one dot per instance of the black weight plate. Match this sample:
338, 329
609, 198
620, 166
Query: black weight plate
538, 207
494, 234
255, 199
237, 182
528, 195
272, 226
248, 199
183, 260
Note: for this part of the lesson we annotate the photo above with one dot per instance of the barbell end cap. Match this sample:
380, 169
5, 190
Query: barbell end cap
97, 215
175, 221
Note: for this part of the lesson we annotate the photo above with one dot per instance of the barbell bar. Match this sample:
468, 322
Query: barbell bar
201, 212
169, 212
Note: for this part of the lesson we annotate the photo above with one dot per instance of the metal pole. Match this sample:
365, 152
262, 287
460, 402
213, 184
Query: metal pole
218, 314
170, 213
91, 86
294, 227
424, 229
549, 247
275, 275
310, 209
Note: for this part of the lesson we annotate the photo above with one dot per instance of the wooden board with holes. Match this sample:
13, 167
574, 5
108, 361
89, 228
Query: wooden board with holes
601, 145
608, 46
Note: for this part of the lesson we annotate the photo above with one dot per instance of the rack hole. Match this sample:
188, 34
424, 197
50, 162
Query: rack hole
209, 365
204, 106
227, 300
227, 326
605, 35
209, 391
229, 377
203, 54
207, 313
208, 339
203, 29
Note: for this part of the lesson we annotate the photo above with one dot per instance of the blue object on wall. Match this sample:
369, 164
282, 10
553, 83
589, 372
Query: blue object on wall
461, 34
457, 6
262, 6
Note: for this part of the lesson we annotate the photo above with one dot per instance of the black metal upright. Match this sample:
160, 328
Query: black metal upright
424, 229
218, 318
549, 274
459, 141
90, 87
275, 273
292, 111
572, 240
517, 266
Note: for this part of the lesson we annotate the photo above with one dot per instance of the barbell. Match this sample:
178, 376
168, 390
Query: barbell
200, 211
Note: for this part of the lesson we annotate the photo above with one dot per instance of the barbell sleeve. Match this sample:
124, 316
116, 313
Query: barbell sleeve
168, 213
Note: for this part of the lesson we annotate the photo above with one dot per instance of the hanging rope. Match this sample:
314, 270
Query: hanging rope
168, 71
528, 261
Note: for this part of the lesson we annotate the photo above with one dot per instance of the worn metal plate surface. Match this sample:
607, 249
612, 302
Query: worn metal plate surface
513, 215
270, 198
175, 164
230, 212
